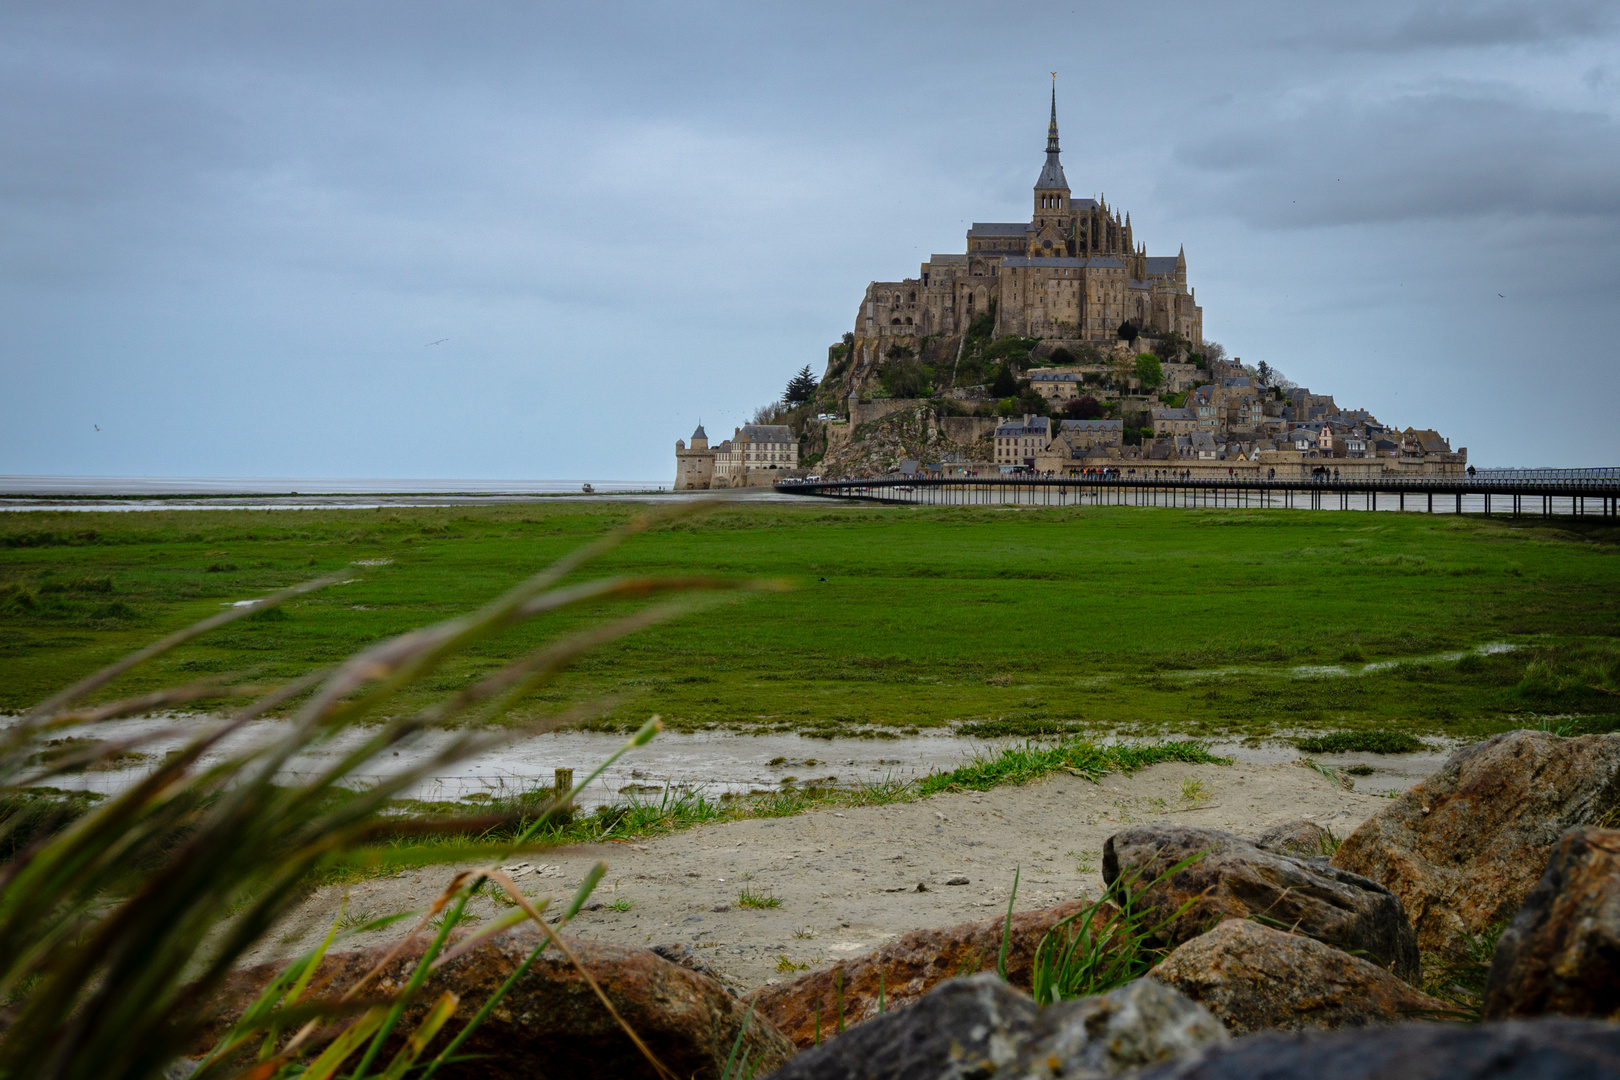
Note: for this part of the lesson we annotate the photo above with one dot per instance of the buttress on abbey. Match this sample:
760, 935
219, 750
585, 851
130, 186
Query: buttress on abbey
1072, 273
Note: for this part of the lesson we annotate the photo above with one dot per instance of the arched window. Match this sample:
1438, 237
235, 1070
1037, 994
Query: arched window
894, 322
911, 297
908, 320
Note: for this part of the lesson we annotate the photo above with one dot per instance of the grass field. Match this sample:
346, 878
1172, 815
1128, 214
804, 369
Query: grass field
1016, 621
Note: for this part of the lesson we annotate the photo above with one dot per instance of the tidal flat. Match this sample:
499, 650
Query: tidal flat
1102, 622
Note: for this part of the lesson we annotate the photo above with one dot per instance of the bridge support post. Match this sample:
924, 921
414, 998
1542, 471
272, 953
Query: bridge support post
1459, 502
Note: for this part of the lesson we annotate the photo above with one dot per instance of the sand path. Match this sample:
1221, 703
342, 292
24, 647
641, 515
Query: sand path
847, 880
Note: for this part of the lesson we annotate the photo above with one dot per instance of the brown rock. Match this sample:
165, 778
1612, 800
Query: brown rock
910, 966
1305, 839
1254, 978
1561, 953
1234, 879
1464, 848
552, 1023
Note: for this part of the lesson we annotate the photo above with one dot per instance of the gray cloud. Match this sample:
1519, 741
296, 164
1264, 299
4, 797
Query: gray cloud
1456, 153
1467, 25
229, 231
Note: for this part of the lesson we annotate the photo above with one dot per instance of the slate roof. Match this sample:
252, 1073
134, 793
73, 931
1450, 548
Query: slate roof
771, 433
999, 228
1053, 376
1051, 174
1162, 264
1013, 429
1174, 414
1093, 425
1431, 442
699, 433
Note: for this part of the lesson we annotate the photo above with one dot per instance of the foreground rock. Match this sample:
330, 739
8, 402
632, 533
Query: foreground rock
1236, 879
1516, 1050
551, 1023
1254, 978
1464, 848
1302, 839
907, 967
1142, 1023
979, 1026
1561, 953
965, 1027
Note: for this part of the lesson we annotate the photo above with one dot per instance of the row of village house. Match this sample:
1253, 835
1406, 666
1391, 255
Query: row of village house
1229, 421
1038, 444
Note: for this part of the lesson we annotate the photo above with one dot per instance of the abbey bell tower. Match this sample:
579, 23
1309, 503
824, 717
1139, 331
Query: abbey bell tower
1052, 233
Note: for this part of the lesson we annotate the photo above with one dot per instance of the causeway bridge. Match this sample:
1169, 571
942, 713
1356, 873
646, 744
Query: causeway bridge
1515, 492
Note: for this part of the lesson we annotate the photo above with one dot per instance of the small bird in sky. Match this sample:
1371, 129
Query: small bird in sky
96, 426
1503, 297
441, 341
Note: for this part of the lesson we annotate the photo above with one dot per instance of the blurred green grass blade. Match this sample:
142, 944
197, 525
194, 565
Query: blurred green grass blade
441, 1012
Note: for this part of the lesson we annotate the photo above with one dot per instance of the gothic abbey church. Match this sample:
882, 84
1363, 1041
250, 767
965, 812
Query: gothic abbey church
1071, 273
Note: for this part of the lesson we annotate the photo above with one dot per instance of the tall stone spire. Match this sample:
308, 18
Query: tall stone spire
1052, 178
1051, 128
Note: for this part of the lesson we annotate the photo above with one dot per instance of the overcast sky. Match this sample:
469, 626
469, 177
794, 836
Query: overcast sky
229, 232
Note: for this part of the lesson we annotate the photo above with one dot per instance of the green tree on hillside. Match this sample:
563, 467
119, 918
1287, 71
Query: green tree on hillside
904, 376
1005, 385
801, 388
1149, 372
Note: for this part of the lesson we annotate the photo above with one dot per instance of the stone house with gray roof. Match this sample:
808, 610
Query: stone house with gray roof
748, 459
1017, 442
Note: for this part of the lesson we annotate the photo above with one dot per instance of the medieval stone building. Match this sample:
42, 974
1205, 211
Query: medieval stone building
1072, 273
755, 455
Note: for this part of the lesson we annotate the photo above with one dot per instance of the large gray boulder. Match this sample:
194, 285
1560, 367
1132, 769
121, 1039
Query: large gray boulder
1561, 953
980, 1027
1254, 978
1515, 1050
963, 1027
1233, 878
1464, 848
1141, 1023
1302, 839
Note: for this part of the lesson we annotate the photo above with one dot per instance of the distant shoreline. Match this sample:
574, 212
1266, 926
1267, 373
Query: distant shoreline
224, 487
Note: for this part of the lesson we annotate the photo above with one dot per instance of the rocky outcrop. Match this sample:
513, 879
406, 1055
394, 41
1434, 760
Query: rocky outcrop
551, 1023
1232, 878
1302, 839
1141, 1023
874, 447
1516, 1050
906, 968
1561, 953
1464, 848
979, 1026
1254, 978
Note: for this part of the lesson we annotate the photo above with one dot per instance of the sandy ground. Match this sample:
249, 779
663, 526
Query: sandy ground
847, 880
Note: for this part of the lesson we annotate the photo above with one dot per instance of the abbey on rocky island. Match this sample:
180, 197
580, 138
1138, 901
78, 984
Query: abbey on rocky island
1072, 273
